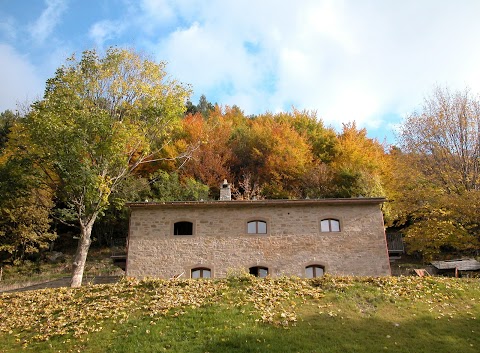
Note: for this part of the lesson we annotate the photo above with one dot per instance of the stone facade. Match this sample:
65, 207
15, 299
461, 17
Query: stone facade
293, 240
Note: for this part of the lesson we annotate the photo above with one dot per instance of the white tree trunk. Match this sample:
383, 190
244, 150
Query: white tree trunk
82, 251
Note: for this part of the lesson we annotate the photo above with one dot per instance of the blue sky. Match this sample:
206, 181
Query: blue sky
369, 61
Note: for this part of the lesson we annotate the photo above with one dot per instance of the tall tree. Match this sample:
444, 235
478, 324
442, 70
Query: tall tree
274, 152
203, 107
7, 119
445, 139
211, 161
25, 206
441, 146
323, 140
361, 165
100, 118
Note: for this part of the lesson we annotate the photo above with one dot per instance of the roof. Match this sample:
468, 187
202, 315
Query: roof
259, 203
461, 265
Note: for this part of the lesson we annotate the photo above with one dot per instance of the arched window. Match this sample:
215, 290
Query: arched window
313, 271
257, 227
258, 271
200, 272
330, 225
183, 228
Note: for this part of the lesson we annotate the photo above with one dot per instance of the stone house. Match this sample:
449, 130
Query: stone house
304, 238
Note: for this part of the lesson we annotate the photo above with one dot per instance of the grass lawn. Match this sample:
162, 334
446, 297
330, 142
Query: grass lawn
245, 314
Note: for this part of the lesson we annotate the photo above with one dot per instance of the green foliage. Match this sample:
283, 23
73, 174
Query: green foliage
323, 141
446, 224
25, 228
100, 118
168, 187
24, 211
7, 120
204, 107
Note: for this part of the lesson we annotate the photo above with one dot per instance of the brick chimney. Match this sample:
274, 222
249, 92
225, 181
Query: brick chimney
225, 191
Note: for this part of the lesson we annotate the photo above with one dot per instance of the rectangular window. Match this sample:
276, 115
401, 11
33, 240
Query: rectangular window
183, 228
262, 227
325, 225
330, 225
257, 227
335, 226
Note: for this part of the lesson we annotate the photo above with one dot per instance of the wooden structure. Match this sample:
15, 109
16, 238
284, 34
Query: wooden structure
456, 268
395, 245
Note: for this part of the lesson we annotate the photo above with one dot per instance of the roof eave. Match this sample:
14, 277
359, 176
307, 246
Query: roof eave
261, 203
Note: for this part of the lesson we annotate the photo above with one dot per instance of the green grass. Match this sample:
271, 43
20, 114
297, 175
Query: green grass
246, 314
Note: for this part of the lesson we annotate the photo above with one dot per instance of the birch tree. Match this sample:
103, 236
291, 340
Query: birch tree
101, 117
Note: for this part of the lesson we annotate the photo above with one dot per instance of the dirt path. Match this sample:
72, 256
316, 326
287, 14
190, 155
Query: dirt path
64, 282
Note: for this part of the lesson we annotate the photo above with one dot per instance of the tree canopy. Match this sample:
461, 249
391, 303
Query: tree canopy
438, 185
101, 117
114, 127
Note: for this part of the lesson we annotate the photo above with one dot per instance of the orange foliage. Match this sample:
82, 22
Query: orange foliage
210, 161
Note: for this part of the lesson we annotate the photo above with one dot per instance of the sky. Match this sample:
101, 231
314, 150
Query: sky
368, 61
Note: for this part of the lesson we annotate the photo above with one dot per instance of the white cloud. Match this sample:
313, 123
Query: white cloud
206, 59
45, 24
161, 10
348, 60
105, 30
20, 82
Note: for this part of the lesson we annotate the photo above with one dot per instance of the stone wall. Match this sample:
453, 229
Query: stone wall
293, 240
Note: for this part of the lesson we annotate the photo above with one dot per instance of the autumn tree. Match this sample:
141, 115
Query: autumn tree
441, 145
212, 160
7, 120
100, 118
445, 140
274, 153
318, 181
361, 165
323, 140
25, 201
25, 206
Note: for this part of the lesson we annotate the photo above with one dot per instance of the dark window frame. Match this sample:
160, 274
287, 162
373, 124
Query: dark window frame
182, 228
202, 270
256, 271
314, 268
257, 222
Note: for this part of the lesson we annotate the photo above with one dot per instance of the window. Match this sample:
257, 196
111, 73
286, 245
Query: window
330, 225
258, 271
257, 227
183, 228
313, 271
201, 272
